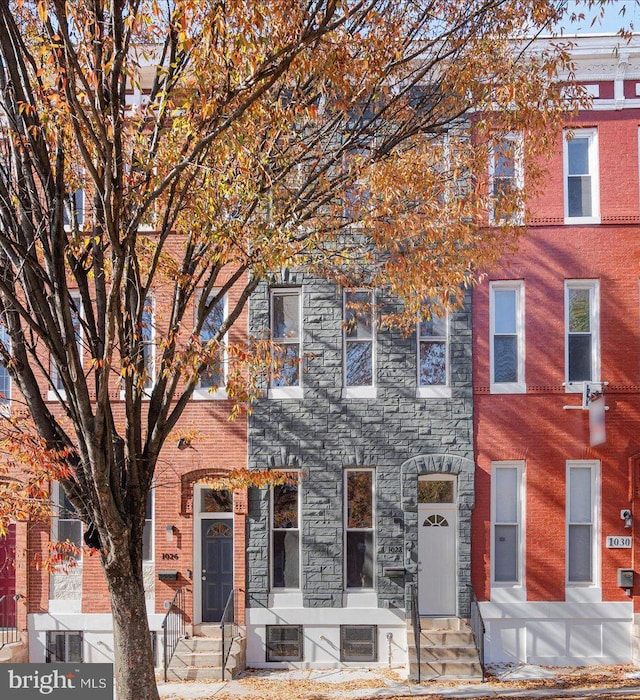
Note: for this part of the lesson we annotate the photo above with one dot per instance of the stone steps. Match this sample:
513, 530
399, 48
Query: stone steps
447, 651
197, 659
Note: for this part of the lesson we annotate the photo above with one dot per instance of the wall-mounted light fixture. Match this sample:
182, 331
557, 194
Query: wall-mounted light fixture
170, 531
625, 514
183, 443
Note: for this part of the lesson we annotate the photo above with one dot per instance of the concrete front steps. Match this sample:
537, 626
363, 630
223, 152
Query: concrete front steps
199, 658
447, 651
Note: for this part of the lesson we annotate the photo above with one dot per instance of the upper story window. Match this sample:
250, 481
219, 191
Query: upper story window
67, 526
5, 379
212, 380
74, 209
148, 332
507, 347
57, 383
433, 357
147, 534
507, 180
582, 344
286, 333
581, 181
358, 344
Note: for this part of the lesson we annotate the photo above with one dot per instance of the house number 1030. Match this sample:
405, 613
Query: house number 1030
617, 542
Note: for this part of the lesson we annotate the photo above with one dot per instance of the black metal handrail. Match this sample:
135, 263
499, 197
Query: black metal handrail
173, 628
228, 627
9, 633
477, 628
415, 621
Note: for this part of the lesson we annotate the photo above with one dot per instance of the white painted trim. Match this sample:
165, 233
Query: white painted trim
592, 136
518, 163
425, 391
593, 286
285, 392
203, 393
433, 392
288, 392
286, 591
367, 391
517, 286
373, 529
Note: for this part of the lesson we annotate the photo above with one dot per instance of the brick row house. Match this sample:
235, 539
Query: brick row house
461, 458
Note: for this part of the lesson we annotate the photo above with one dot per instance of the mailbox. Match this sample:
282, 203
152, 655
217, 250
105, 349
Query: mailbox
168, 575
625, 578
393, 571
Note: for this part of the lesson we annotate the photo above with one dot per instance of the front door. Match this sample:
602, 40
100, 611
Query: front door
437, 546
7, 577
217, 567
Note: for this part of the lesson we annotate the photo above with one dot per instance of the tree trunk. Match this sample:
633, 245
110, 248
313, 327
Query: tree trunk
134, 663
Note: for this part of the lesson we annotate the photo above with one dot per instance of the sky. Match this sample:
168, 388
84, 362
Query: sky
618, 14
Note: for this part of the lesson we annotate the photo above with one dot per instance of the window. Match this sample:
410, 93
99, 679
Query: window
433, 357
358, 643
284, 643
58, 389
506, 520
67, 526
581, 186
359, 523
5, 379
286, 333
582, 352
147, 534
582, 538
285, 537
506, 173
506, 348
64, 647
212, 380
358, 338
148, 332
73, 216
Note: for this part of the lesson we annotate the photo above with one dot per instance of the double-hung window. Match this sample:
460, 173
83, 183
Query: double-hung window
57, 383
506, 174
147, 533
581, 180
506, 521
74, 210
5, 379
358, 344
212, 380
506, 347
286, 334
582, 341
582, 522
67, 527
285, 537
433, 357
148, 342
359, 528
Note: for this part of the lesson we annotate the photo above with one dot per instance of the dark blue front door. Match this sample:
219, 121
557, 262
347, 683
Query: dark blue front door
217, 567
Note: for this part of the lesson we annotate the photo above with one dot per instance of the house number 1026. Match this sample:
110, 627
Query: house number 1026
170, 555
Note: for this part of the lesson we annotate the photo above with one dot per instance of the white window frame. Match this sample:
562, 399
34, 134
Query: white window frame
293, 391
77, 194
519, 386
345, 519
60, 393
150, 523
201, 393
56, 495
517, 218
273, 530
148, 344
5, 400
592, 136
364, 391
593, 286
435, 390
518, 467
594, 467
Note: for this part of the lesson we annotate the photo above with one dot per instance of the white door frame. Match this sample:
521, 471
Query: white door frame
198, 517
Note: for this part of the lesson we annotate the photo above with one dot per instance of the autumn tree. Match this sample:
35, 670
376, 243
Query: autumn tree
216, 141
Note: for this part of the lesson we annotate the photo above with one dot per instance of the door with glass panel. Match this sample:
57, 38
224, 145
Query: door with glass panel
437, 545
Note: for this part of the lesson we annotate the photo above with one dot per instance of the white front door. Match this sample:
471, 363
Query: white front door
437, 546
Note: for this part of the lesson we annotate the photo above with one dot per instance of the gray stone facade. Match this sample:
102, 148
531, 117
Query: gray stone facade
397, 434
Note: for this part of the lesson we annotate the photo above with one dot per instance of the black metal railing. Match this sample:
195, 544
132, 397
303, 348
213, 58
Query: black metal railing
173, 628
228, 627
415, 621
9, 633
477, 628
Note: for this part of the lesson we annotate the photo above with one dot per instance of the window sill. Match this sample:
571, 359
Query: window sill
206, 395
508, 593
359, 392
573, 220
433, 392
285, 392
575, 387
56, 395
285, 599
360, 598
582, 593
509, 388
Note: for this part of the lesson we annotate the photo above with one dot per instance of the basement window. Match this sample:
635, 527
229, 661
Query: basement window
358, 643
284, 643
64, 647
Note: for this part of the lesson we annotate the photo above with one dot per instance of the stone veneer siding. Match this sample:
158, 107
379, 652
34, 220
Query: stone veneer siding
396, 433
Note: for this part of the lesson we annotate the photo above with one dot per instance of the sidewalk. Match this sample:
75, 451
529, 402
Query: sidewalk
504, 681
